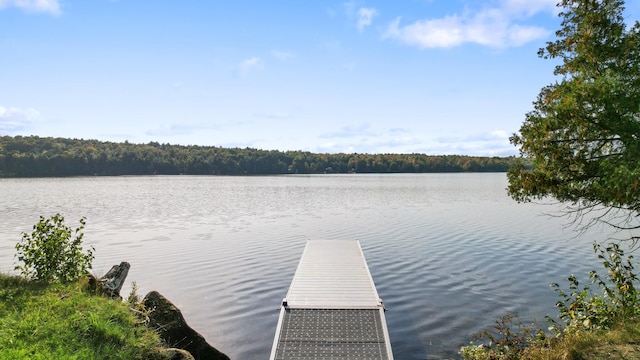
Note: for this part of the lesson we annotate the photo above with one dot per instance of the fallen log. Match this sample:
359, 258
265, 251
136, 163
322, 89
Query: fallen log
111, 283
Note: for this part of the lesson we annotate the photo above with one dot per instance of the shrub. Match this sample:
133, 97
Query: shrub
582, 308
506, 341
53, 251
581, 311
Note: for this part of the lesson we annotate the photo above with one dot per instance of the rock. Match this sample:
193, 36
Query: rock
177, 354
168, 321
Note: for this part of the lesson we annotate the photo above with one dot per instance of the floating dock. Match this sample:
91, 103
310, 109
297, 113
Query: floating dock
332, 309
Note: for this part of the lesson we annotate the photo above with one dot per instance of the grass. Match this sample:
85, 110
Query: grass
56, 321
622, 341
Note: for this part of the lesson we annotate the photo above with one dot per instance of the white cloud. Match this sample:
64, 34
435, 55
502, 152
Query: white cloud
445, 32
531, 7
249, 64
520, 35
282, 55
499, 134
365, 17
493, 143
14, 119
496, 27
33, 6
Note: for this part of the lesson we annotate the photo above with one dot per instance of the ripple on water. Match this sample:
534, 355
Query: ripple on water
449, 253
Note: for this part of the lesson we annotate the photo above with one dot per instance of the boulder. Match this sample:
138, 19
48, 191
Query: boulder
177, 354
168, 321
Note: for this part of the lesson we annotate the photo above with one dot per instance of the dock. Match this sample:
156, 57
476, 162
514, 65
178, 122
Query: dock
332, 309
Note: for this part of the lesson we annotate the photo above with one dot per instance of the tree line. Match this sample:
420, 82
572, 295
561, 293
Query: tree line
34, 156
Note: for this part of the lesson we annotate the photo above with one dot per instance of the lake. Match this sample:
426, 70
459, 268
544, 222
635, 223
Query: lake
449, 253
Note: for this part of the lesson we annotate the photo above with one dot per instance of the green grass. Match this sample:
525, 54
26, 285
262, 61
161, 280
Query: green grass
39, 321
622, 341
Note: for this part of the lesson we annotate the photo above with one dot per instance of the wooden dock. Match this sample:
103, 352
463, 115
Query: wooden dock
332, 309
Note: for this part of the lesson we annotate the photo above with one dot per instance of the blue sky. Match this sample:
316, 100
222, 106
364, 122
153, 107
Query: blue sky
407, 76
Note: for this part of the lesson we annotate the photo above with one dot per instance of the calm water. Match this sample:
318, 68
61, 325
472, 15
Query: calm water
449, 253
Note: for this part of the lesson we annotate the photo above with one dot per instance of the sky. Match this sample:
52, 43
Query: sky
437, 77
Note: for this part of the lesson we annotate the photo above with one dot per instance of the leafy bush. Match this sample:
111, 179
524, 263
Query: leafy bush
53, 251
582, 308
507, 340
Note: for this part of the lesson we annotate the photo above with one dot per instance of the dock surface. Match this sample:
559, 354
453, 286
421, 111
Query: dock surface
332, 309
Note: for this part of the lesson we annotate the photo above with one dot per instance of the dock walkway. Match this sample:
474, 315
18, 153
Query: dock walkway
332, 309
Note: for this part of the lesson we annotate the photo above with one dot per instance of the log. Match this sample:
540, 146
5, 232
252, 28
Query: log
111, 283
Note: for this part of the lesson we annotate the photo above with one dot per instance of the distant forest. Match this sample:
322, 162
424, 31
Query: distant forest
33, 156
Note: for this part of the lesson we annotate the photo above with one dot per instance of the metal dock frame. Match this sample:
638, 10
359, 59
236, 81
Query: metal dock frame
332, 309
